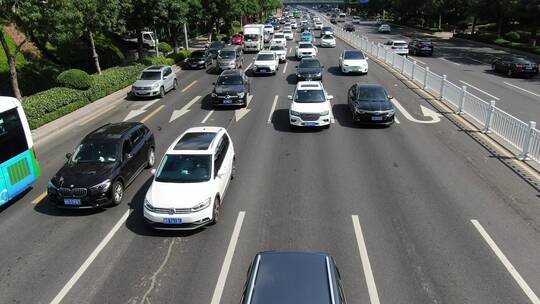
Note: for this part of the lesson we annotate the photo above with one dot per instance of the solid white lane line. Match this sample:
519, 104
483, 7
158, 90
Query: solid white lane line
249, 65
90, 259
475, 60
479, 90
285, 67
273, 108
290, 50
370, 280
511, 269
418, 60
519, 88
450, 61
207, 116
396, 120
220, 285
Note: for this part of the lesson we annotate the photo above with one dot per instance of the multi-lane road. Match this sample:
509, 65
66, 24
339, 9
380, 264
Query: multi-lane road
423, 209
468, 64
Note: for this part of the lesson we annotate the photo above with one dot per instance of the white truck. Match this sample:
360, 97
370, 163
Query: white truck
147, 37
253, 37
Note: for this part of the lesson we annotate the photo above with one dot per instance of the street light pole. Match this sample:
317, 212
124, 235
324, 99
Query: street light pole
186, 36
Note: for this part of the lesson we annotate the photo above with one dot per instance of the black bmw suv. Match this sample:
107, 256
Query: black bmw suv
200, 59
370, 104
231, 89
106, 161
309, 69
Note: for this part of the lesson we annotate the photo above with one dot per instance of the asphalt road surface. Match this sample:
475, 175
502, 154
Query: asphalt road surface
440, 218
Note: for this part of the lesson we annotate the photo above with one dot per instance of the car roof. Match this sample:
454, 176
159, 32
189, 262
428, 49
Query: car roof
399, 41
112, 131
196, 140
309, 85
265, 52
155, 68
291, 277
8, 103
370, 85
231, 72
230, 48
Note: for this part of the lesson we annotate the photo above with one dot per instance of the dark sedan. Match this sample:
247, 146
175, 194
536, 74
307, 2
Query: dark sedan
106, 161
231, 89
309, 69
515, 66
215, 47
349, 27
421, 46
198, 60
370, 104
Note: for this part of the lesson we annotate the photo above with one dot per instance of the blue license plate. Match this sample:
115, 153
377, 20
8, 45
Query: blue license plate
227, 101
176, 221
72, 201
376, 118
194, 65
310, 124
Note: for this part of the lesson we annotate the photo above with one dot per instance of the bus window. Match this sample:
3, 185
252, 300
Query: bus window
12, 137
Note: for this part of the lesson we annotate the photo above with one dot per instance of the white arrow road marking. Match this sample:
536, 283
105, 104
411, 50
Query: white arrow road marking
238, 114
273, 108
435, 117
177, 113
285, 67
247, 68
135, 113
207, 116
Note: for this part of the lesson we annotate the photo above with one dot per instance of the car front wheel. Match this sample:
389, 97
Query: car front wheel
509, 73
151, 158
175, 84
162, 92
215, 211
117, 192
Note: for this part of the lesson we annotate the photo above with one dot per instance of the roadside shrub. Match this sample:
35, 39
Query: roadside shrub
512, 36
179, 56
165, 47
158, 60
112, 80
75, 79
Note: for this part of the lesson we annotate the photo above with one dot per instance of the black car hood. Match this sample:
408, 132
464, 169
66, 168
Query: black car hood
195, 59
309, 70
83, 174
229, 89
383, 105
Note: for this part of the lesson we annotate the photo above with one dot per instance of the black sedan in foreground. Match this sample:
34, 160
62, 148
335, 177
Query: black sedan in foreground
106, 161
309, 69
198, 60
231, 89
370, 104
514, 66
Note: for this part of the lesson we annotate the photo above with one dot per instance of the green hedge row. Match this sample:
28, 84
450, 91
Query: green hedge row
75, 79
492, 39
179, 56
51, 104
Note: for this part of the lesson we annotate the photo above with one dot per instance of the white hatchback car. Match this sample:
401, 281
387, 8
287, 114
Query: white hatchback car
279, 38
288, 34
191, 181
266, 62
398, 46
305, 49
327, 41
310, 106
280, 50
351, 61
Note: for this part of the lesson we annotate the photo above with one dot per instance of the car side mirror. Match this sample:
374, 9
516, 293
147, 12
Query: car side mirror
213, 83
128, 156
330, 97
289, 97
153, 171
390, 97
68, 155
367, 58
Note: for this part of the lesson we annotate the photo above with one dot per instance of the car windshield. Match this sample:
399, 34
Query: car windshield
372, 94
306, 34
227, 54
400, 44
327, 37
177, 168
251, 37
287, 32
521, 60
150, 76
265, 57
354, 55
197, 54
96, 152
326, 28
216, 44
229, 80
309, 63
279, 36
277, 48
309, 96
305, 46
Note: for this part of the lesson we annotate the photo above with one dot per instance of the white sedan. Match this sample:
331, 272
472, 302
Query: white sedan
279, 38
353, 61
328, 41
288, 34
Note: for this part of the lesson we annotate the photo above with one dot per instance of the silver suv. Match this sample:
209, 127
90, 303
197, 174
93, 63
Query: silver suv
230, 57
155, 80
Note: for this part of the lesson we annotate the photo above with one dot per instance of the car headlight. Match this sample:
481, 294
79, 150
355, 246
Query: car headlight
155, 85
51, 187
103, 186
213, 95
147, 205
202, 205
391, 112
294, 113
324, 113
241, 94
345, 65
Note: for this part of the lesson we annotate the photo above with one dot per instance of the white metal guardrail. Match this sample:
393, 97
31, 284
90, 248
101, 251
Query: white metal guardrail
525, 138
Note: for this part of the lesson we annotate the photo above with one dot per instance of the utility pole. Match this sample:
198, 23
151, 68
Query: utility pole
186, 36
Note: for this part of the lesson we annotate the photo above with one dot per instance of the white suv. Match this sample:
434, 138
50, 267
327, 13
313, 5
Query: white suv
191, 180
266, 62
155, 80
305, 49
310, 106
399, 46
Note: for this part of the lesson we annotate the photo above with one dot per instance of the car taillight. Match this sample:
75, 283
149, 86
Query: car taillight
420, 45
521, 66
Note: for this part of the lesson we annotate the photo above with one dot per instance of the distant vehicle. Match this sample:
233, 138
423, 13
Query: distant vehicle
421, 46
305, 49
384, 28
370, 103
279, 38
294, 25
191, 181
155, 80
306, 36
215, 47
326, 30
280, 50
333, 20
106, 161
199, 59
288, 34
356, 19
266, 62
515, 66
269, 28
309, 69
293, 277
353, 61
342, 17
318, 25
238, 39
230, 57
327, 41
19, 168
253, 37
310, 105
349, 27
267, 37
148, 39
400, 47
231, 89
